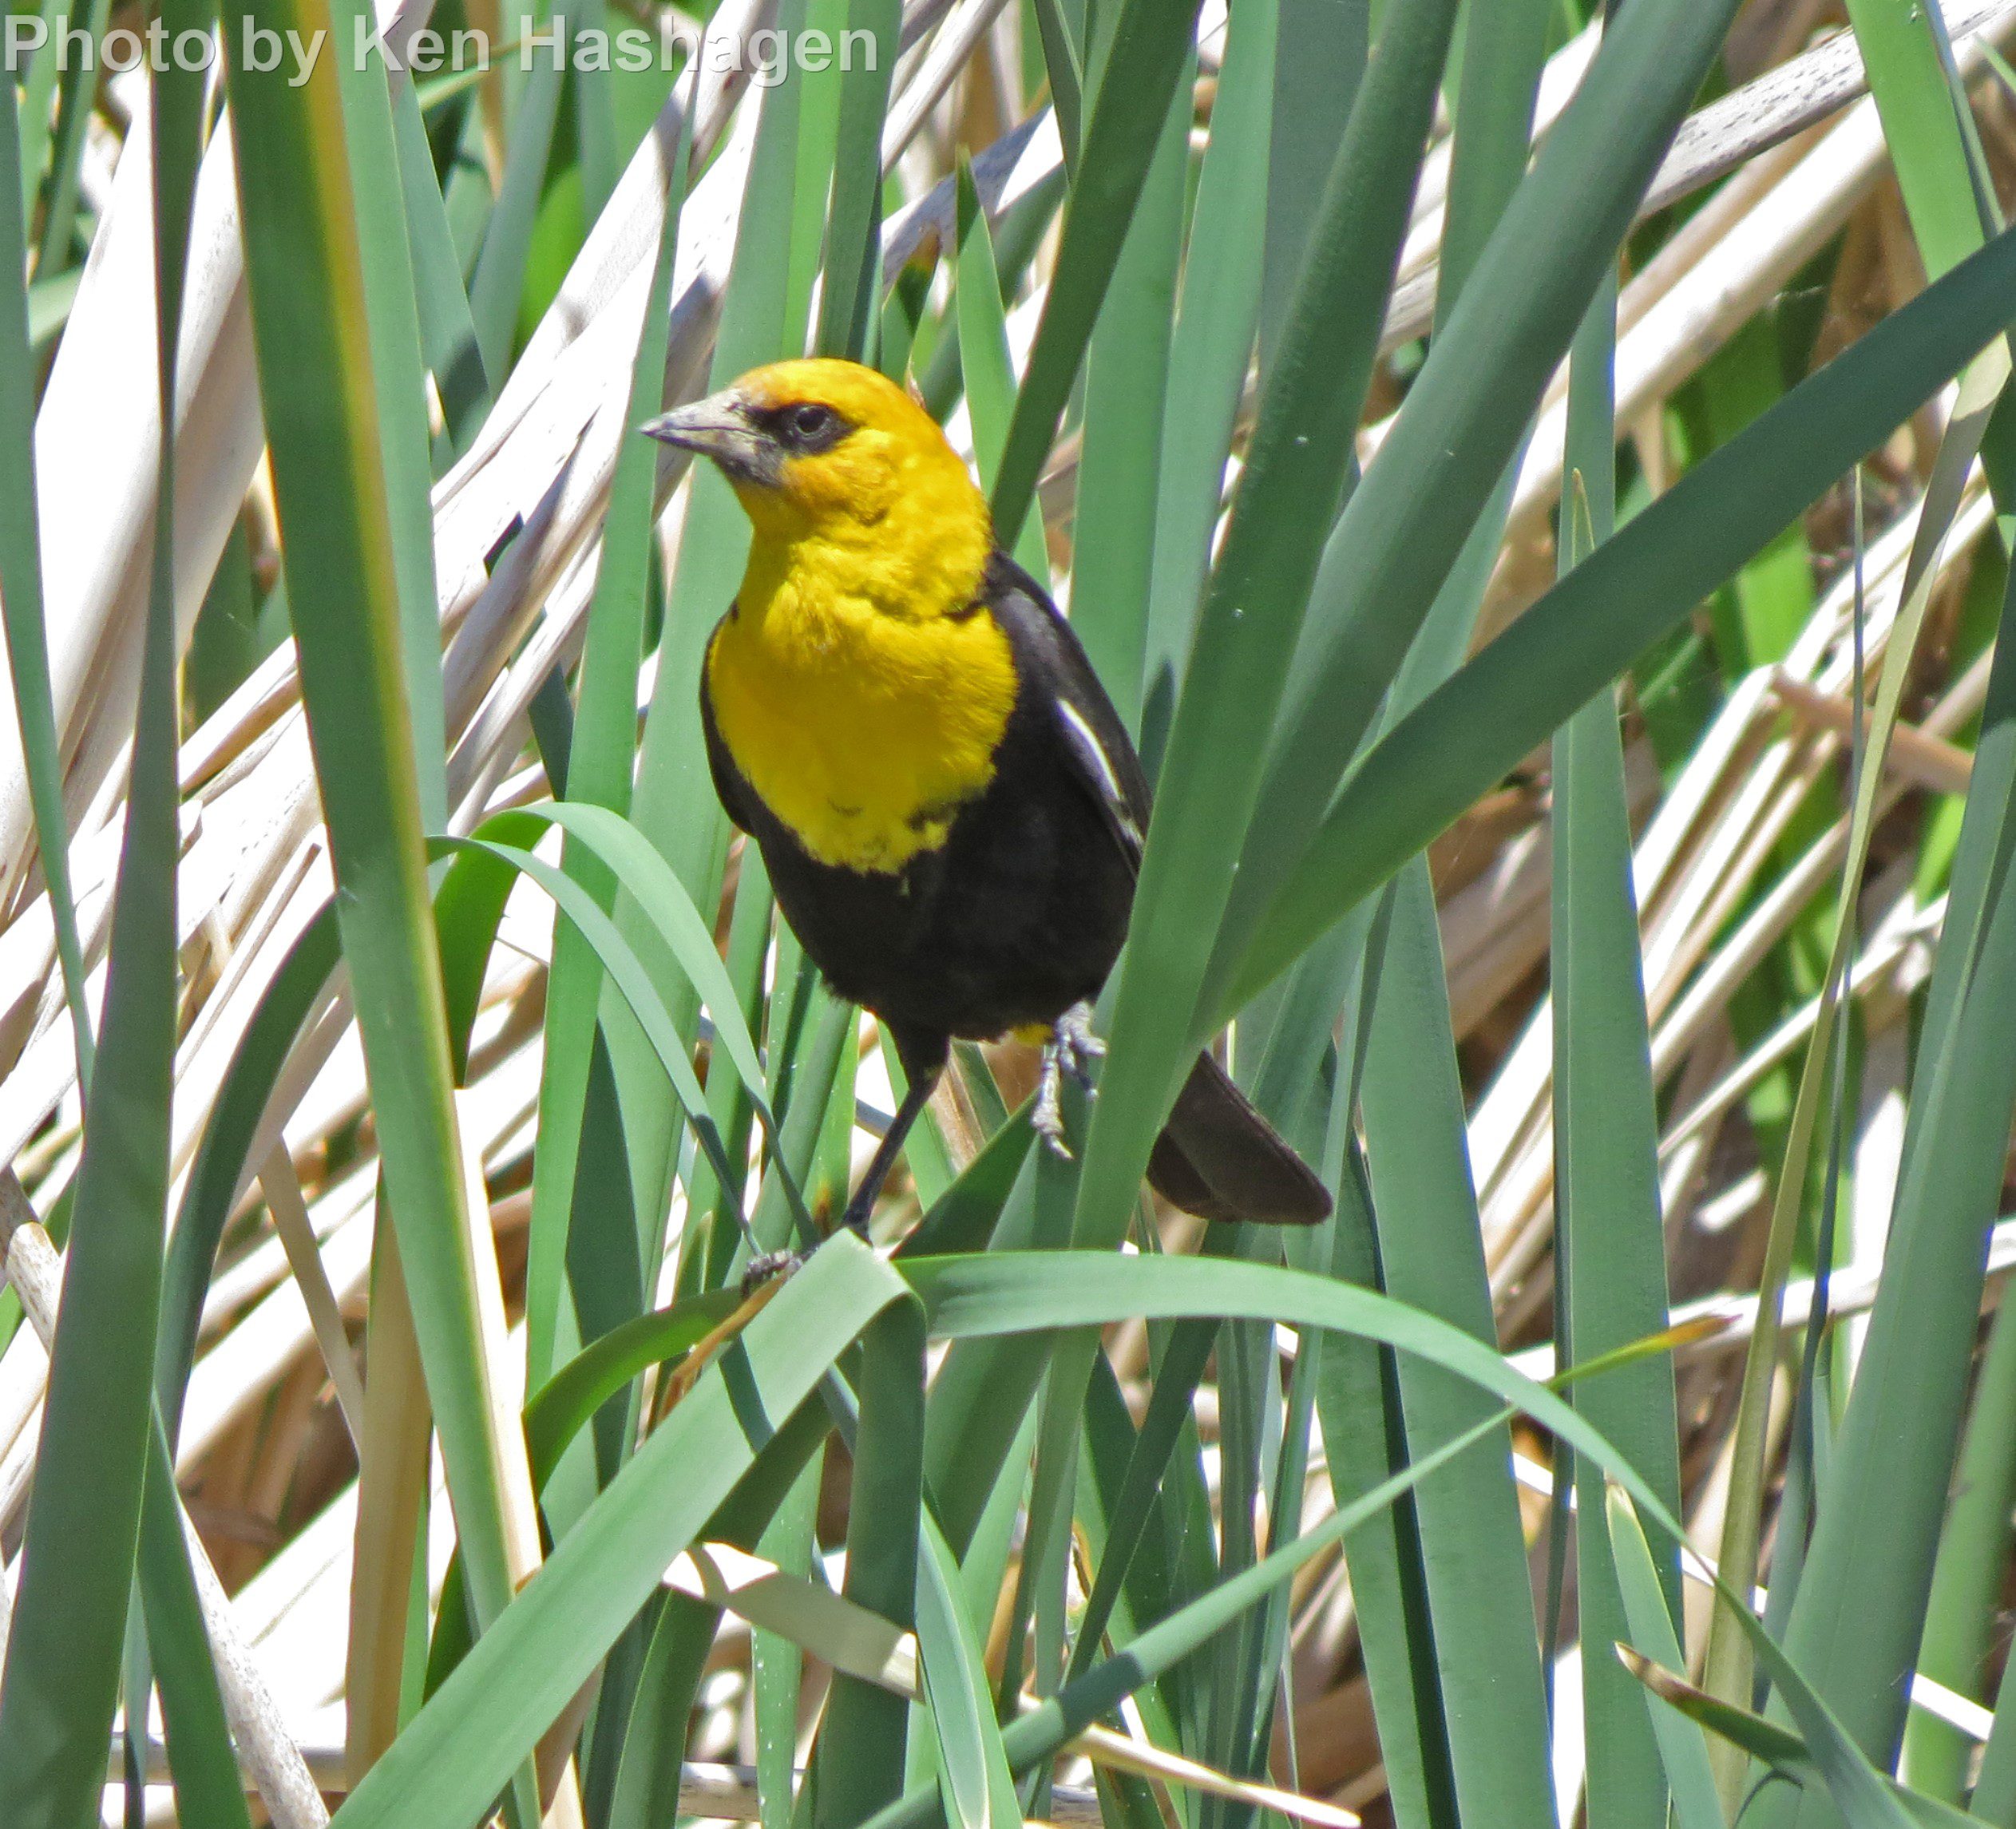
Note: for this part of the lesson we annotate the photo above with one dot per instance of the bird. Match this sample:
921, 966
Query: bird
950, 809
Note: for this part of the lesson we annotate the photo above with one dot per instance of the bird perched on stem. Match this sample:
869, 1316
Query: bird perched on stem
949, 808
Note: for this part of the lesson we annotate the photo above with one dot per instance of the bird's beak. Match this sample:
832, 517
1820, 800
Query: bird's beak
716, 428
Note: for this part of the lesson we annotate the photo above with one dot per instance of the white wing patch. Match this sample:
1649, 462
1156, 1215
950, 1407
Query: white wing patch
1091, 753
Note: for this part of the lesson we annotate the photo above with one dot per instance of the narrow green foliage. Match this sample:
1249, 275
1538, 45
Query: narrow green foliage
21, 584
309, 318
1209, 356
498, 282
861, 1753
598, 772
1431, 1256
1474, 729
1042, 1460
983, 363
1150, 45
1296, 465
1914, 1366
462, 1746
1907, 75
1465, 416
1126, 376
1609, 1244
59, 1684
847, 302
396, 372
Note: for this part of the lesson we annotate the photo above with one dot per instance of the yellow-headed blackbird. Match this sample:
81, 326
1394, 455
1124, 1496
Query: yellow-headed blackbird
948, 806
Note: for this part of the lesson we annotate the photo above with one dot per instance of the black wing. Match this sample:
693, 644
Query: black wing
1217, 1157
1102, 754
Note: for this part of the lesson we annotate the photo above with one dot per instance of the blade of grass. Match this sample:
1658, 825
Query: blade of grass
732, 1104
598, 772
176, 1634
1145, 1499
463, 1745
1431, 1257
1146, 1514
35, 116
860, 1765
1611, 1253
853, 246
1319, 64
1038, 1734
307, 285
1497, 84
64, 1651
21, 579
392, 1499
498, 284
1973, 1547
1464, 419
1150, 43
1994, 1790
1964, 1090
1364, 1444
1865, 1799
1902, 52
629, 976
1640, 1586
1727, 1668
647, 1786
1127, 375
1907, 61
984, 363
207, 1786
816, 132
980, 1297
56, 248
1210, 354
1296, 465
222, 1162
1473, 729
393, 324
776, 1664
447, 330
1062, 64
1786, 1753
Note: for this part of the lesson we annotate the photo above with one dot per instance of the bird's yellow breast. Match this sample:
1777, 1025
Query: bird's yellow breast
863, 731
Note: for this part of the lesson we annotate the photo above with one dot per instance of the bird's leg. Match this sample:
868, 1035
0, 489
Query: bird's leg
862, 1206
768, 1265
765, 1267
1071, 1050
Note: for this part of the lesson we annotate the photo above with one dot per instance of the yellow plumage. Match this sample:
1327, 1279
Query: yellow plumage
852, 688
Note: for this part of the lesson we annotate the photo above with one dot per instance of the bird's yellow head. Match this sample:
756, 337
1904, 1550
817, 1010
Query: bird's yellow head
839, 469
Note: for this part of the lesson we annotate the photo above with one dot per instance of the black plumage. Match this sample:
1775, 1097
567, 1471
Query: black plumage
1020, 914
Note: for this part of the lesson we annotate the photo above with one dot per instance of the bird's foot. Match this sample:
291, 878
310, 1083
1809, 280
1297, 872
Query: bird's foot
1071, 1050
769, 1266
1077, 1046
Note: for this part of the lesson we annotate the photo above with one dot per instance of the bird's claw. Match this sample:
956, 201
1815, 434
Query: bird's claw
766, 1267
1071, 1050
1046, 1119
1075, 1045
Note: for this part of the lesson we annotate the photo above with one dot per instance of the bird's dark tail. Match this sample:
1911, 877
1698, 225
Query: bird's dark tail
1219, 1158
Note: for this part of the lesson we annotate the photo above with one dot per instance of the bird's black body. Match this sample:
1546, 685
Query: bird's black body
1021, 913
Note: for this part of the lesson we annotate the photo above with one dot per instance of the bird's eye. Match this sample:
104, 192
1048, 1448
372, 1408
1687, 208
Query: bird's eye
810, 420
